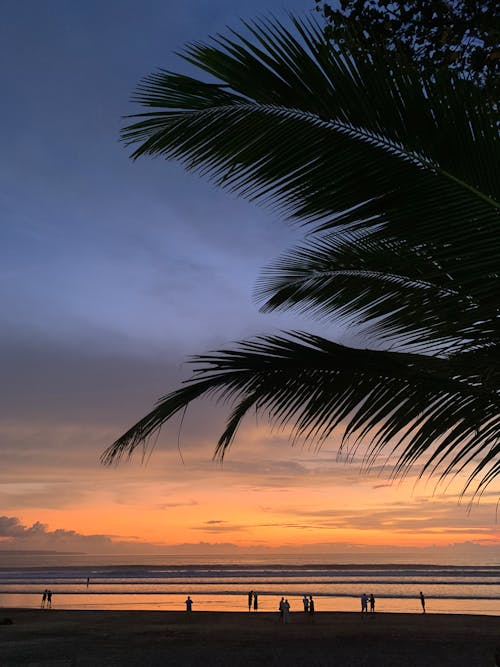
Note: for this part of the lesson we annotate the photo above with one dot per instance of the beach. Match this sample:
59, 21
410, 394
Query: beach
81, 638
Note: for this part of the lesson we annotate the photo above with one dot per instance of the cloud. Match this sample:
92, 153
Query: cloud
418, 516
188, 503
10, 526
219, 527
16, 536
37, 536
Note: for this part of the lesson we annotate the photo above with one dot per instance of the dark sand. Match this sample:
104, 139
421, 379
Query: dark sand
59, 638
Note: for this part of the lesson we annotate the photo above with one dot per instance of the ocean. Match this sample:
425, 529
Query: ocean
222, 582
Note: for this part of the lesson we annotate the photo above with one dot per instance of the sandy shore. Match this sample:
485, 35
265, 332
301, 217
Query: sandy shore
59, 638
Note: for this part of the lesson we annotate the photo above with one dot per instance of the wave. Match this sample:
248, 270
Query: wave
137, 573
261, 581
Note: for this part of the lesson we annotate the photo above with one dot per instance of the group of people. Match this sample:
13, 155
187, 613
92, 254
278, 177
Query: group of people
46, 599
253, 601
365, 599
284, 606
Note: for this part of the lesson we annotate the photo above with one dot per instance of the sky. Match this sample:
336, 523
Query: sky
114, 272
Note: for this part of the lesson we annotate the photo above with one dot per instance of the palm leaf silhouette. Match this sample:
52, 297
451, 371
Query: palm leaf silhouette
395, 181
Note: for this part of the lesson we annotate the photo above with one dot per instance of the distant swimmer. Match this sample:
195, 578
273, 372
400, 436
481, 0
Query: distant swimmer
422, 602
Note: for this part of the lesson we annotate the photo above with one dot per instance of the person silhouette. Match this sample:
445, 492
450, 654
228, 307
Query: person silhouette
286, 612
311, 605
189, 603
305, 602
282, 610
255, 601
44, 598
422, 602
372, 603
250, 598
49, 599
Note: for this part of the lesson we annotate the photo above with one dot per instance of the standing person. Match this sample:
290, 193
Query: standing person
311, 605
422, 602
250, 598
49, 599
364, 603
255, 601
88, 581
189, 604
282, 610
305, 602
44, 598
372, 603
287, 612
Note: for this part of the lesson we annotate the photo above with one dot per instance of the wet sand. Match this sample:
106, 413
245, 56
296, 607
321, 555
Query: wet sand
63, 638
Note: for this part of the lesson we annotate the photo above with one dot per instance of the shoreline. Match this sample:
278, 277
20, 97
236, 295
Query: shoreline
237, 602
89, 638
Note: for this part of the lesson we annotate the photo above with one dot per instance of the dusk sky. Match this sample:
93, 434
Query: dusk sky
114, 272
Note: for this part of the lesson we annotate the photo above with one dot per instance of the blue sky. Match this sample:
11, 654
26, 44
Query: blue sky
101, 255
131, 240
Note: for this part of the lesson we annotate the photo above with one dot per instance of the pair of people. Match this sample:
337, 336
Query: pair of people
365, 599
46, 599
253, 600
284, 609
308, 603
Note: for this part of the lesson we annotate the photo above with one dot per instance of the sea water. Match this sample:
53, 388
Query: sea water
222, 582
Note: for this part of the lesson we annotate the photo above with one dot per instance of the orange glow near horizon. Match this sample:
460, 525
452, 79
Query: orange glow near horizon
267, 495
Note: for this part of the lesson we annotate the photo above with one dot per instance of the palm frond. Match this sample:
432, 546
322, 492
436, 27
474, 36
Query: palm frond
320, 387
333, 142
395, 179
399, 292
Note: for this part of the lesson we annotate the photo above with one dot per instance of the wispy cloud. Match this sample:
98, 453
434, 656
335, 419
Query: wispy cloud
188, 503
214, 526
